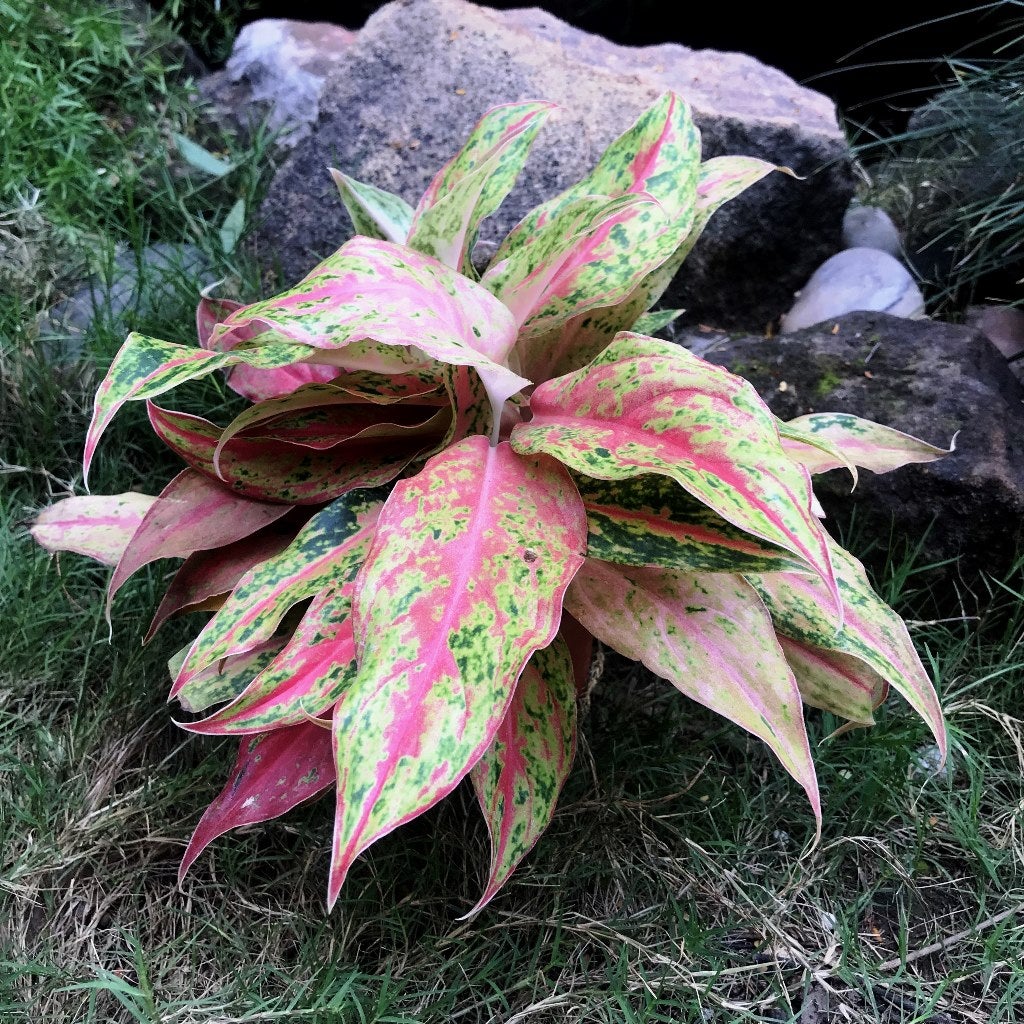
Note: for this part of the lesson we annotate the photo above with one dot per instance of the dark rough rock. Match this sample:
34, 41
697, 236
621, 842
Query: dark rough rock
422, 72
929, 379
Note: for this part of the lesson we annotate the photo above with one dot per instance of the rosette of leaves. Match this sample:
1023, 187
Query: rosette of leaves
448, 484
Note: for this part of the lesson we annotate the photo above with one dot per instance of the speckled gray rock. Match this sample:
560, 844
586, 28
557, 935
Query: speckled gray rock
870, 227
422, 72
855, 279
931, 379
278, 68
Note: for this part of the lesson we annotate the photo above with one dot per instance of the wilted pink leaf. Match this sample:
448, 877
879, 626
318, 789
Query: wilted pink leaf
192, 513
372, 297
275, 771
95, 525
207, 574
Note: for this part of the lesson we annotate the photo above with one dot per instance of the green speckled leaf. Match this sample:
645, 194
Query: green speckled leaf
147, 367
576, 261
708, 635
658, 155
463, 584
520, 775
872, 631
646, 406
651, 323
651, 520
374, 212
474, 183
587, 334
835, 682
719, 180
813, 439
225, 679
326, 554
306, 678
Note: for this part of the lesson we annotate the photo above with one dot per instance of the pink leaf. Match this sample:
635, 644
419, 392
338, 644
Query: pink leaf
97, 526
463, 583
275, 771
192, 513
708, 635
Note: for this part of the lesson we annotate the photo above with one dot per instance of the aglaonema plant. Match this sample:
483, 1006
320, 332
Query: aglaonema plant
448, 483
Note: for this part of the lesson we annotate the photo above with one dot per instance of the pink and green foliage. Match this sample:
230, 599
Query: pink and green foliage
446, 485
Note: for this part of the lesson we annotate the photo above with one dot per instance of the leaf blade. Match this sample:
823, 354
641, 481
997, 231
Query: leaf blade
479, 546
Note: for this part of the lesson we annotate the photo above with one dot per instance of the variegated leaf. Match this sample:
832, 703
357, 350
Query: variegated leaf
147, 367
708, 635
307, 677
520, 775
834, 682
209, 313
651, 323
464, 582
372, 297
646, 406
193, 513
587, 255
658, 155
474, 183
872, 632
854, 440
719, 180
587, 335
208, 574
274, 772
225, 679
651, 520
810, 451
98, 526
276, 471
326, 554
374, 212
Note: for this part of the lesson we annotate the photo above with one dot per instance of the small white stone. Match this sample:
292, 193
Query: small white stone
856, 279
870, 227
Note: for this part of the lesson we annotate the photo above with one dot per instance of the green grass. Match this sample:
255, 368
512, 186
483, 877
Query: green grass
678, 881
952, 180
